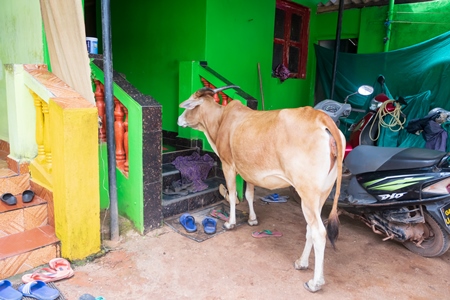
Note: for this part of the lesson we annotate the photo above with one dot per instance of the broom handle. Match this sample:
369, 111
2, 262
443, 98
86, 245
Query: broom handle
260, 86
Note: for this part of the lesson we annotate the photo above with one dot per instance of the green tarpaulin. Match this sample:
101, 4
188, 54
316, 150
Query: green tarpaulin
419, 73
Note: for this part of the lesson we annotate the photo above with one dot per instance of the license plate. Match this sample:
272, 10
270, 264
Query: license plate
445, 210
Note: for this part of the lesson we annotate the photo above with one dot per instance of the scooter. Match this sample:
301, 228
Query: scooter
401, 193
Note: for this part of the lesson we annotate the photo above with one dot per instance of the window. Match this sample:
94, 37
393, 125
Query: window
290, 42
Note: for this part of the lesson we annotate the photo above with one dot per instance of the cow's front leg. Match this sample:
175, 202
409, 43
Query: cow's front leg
249, 195
230, 178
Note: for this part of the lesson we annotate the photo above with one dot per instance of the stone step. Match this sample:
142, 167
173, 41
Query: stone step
176, 204
13, 183
27, 250
22, 216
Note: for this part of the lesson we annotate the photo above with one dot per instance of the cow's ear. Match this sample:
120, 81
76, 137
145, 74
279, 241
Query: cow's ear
191, 103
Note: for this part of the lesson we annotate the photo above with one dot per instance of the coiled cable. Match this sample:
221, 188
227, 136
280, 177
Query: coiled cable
396, 120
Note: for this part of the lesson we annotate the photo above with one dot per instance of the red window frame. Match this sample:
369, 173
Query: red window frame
291, 8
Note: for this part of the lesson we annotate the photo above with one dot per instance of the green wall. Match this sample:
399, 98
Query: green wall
20, 43
239, 36
411, 24
149, 41
150, 38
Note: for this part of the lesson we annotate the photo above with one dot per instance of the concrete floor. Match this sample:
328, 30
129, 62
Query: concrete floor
166, 265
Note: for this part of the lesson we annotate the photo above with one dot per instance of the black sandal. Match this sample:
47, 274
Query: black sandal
9, 199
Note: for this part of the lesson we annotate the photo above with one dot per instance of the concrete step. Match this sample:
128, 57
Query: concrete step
176, 204
26, 239
22, 216
27, 250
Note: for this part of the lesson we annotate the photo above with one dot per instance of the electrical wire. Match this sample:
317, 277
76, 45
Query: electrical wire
382, 112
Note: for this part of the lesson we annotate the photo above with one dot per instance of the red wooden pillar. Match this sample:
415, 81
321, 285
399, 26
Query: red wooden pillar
225, 98
100, 103
119, 133
125, 140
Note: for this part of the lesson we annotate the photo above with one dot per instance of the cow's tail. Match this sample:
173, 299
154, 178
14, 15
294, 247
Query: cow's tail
333, 218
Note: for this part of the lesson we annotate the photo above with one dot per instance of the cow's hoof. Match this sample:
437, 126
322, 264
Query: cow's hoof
299, 266
228, 226
312, 287
252, 222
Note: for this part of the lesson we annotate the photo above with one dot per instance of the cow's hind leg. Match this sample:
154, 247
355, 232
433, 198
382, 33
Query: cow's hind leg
303, 262
315, 237
249, 195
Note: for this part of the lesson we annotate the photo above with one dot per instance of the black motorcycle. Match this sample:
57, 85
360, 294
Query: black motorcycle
402, 193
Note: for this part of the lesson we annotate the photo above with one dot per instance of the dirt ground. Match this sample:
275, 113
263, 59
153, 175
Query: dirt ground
166, 265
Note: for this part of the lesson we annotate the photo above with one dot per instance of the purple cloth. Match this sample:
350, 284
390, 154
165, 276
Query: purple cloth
435, 136
282, 72
194, 168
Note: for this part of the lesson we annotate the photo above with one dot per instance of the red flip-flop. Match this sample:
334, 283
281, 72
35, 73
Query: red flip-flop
266, 233
59, 269
218, 214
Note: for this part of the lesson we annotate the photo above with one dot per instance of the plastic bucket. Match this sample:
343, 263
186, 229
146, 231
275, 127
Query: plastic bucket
92, 45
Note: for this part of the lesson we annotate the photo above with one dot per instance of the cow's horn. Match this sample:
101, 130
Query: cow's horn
225, 87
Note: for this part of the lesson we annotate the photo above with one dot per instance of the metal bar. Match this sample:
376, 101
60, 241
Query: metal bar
387, 41
336, 48
109, 102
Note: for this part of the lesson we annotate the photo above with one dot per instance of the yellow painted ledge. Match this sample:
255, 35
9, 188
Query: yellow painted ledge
74, 166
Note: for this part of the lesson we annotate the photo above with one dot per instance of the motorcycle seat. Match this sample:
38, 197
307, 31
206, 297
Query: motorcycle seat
365, 158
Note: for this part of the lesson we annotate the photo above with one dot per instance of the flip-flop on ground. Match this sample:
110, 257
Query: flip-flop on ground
274, 198
266, 233
219, 214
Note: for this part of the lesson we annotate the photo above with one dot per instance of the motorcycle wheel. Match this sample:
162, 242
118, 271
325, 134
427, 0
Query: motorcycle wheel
436, 240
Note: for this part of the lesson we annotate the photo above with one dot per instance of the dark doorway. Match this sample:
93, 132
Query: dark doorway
347, 46
90, 18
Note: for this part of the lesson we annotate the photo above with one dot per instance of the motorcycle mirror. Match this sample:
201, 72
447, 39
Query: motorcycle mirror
401, 100
365, 90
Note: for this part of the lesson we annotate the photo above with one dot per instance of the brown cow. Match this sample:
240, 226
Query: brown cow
301, 147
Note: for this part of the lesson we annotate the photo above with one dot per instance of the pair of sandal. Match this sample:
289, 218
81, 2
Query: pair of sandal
10, 199
219, 214
274, 198
266, 233
188, 222
34, 289
178, 188
59, 268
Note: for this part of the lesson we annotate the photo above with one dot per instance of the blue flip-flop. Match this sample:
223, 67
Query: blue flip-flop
274, 198
209, 225
38, 290
7, 292
188, 222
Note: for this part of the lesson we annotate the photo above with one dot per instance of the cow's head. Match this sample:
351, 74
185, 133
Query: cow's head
201, 102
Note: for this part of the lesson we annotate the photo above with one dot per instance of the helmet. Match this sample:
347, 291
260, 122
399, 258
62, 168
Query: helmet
439, 115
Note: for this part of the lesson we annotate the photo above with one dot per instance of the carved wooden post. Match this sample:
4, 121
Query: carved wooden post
216, 98
119, 133
125, 140
101, 107
224, 99
205, 82
47, 139
39, 127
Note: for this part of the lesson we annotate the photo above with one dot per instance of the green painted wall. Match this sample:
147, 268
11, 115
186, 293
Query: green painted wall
129, 188
150, 38
239, 35
411, 24
20, 43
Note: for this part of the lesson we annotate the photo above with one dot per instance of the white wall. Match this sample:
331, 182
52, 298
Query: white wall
21, 43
